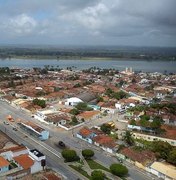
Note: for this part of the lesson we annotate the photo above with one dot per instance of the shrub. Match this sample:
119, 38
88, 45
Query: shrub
69, 155
118, 170
87, 153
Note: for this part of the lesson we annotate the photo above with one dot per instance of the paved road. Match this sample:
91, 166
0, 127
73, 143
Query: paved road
53, 158
67, 136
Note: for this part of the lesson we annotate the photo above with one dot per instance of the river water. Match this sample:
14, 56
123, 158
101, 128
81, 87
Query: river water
137, 65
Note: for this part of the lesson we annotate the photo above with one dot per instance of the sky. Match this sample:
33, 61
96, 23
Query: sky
88, 22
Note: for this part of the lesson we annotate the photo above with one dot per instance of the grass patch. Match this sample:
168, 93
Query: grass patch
94, 165
80, 170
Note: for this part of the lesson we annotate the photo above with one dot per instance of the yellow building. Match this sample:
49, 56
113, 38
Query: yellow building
163, 170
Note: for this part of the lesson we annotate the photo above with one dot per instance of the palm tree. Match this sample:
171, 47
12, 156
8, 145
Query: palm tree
128, 138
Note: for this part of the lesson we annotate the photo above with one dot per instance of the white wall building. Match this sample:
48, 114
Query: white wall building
73, 101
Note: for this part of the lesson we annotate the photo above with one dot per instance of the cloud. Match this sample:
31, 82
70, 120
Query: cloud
20, 25
96, 20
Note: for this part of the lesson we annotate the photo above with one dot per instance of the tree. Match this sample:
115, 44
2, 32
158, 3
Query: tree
133, 80
128, 138
133, 122
77, 85
74, 111
74, 119
83, 107
97, 175
106, 128
109, 91
118, 170
69, 155
162, 149
87, 153
39, 102
172, 157
100, 99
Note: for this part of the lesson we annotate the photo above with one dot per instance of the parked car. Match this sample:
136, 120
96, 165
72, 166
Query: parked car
15, 129
61, 144
6, 123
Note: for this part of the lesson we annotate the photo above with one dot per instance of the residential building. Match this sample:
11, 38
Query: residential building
4, 165
35, 130
163, 170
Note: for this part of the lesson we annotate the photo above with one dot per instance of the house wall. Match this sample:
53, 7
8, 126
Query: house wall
36, 167
107, 149
35, 157
109, 110
139, 165
8, 155
44, 135
4, 169
153, 138
85, 139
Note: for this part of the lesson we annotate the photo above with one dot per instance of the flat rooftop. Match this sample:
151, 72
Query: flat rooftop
36, 152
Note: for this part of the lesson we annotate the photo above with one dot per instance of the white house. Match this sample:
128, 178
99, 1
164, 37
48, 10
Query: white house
72, 101
37, 156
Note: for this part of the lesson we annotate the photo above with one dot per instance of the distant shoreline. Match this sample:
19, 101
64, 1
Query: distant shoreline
82, 58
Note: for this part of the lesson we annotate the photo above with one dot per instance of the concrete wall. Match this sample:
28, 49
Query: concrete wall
4, 169
36, 167
87, 139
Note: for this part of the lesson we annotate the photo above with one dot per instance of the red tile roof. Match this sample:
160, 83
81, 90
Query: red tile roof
85, 132
24, 160
105, 140
3, 162
142, 157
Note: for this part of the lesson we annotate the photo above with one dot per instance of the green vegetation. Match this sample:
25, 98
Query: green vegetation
106, 128
171, 107
100, 99
74, 120
117, 95
97, 175
83, 107
69, 155
77, 85
4, 70
162, 149
98, 53
128, 138
74, 111
94, 165
87, 153
80, 170
39, 102
118, 170
172, 157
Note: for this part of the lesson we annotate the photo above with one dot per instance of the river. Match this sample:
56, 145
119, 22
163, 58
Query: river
137, 65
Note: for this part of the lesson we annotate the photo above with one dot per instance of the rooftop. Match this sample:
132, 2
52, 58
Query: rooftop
85, 131
24, 160
165, 168
3, 162
144, 157
105, 141
36, 153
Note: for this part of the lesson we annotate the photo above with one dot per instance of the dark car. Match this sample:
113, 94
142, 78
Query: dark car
61, 144
15, 129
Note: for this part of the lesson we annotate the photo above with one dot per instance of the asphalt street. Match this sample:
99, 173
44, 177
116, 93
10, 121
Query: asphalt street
71, 141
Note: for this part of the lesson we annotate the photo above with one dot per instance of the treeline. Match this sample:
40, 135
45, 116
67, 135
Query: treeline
81, 53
